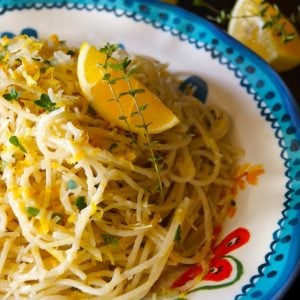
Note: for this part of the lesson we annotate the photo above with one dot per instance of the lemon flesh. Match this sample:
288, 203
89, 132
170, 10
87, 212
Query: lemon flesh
102, 95
246, 25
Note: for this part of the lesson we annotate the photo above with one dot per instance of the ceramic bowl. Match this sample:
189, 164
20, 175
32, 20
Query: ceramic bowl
259, 245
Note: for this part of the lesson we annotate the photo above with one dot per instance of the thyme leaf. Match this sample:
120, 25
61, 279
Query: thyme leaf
80, 203
91, 110
12, 95
71, 185
58, 217
109, 239
32, 211
14, 140
45, 102
123, 118
71, 52
177, 236
113, 146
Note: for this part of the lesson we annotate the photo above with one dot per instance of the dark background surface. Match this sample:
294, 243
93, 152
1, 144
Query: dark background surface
291, 78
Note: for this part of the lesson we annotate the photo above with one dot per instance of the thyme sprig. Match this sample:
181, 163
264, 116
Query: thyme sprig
127, 71
109, 50
153, 158
273, 22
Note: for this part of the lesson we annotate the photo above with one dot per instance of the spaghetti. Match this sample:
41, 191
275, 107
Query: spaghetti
79, 214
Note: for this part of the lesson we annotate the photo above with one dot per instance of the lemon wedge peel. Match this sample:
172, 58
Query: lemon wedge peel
261, 27
106, 101
121, 99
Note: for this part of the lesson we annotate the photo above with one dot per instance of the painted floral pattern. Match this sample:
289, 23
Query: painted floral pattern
247, 173
222, 265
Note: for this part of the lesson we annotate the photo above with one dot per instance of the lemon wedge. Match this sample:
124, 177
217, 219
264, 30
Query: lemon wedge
249, 17
102, 96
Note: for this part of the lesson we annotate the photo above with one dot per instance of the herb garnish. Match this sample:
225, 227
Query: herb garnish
109, 50
71, 52
43, 69
109, 239
80, 203
272, 22
58, 217
113, 146
12, 95
15, 141
127, 72
71, 185
224, 16
32, 211
45, 102
177, 236
91, 110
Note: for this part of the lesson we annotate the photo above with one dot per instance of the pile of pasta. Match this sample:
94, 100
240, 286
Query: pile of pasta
80, 215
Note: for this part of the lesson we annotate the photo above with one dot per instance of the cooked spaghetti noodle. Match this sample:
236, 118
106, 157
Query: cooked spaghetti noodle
79, 213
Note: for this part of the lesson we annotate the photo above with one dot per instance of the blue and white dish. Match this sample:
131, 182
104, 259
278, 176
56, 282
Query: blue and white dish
264, 115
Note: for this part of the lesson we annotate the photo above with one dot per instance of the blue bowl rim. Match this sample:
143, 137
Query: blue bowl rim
288, 100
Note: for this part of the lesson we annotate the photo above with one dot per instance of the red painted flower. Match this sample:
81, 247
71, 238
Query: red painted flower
232, 241
220, 267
